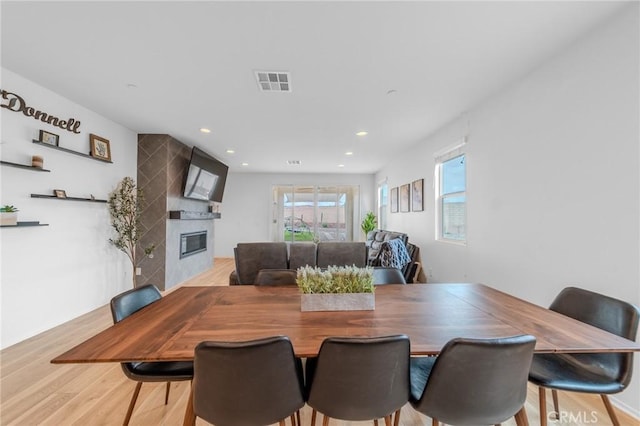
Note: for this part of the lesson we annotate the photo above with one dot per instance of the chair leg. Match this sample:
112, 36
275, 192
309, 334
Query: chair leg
435, 422
325, 420
542, 397
281, 423
132, 404
375, 422
396, 421
521, 417
610, 410
166, 394
298, 418
189, 414
313, 417
556, 404
387, 420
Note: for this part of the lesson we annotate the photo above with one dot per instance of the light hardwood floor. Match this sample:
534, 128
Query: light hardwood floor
36, 392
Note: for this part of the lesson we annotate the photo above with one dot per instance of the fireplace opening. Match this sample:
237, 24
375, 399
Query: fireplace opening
192, 243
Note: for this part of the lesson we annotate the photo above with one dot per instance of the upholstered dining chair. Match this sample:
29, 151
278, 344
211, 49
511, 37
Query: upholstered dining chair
598, 373
250, 383
387, 275
359, 378
474, 381
276, 277
124, 305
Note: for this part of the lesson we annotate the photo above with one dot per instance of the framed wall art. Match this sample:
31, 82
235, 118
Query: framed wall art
100, 147
417, 195
49, 138
394, 200
404, 197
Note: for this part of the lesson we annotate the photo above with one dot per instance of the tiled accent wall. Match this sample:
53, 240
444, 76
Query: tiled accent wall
162, 162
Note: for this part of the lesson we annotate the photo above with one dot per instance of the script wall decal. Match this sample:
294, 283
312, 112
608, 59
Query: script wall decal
15, 103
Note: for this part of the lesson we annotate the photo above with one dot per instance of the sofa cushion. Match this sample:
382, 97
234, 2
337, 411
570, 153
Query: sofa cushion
302, 254
252, 257
341, 254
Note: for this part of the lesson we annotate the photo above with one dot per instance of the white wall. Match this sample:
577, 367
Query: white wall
553, 181
52, 274
244, 217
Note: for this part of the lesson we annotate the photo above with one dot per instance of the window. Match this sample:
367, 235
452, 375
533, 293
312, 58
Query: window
314, 213
451, 214
383, 204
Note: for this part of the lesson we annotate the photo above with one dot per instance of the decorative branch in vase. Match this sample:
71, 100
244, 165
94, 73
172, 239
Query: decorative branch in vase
125, 206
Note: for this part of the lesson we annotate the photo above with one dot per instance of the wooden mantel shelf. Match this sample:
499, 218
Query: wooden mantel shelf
186, 215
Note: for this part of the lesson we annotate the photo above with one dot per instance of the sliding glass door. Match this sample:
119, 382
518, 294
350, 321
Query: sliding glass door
313, 213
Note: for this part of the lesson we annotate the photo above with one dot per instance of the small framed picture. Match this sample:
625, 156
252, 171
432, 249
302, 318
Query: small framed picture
404, 197
100, 147
49, 138
417, 188
60, 193
394, 200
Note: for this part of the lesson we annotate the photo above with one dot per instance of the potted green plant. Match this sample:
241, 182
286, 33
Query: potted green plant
369, 223
8, 215
125, 206
337, 288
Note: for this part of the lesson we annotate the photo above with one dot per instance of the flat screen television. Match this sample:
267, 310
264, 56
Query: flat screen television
206, 177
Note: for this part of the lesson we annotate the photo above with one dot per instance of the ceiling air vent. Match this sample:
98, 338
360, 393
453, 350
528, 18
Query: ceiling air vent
293, 162
274, 81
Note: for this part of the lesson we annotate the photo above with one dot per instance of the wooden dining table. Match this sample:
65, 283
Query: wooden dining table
430, 314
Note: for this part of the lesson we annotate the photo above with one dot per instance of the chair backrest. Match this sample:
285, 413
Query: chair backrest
252, 257
359, 378
257, 382
382, 275
613, 315
478, 381
341, 254
276, 277
133, 300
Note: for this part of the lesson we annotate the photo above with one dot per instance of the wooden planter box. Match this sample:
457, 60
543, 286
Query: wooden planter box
338, 302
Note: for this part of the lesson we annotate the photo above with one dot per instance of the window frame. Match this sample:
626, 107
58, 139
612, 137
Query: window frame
440, 158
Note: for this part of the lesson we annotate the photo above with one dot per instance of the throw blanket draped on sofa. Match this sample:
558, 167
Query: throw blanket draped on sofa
393, 254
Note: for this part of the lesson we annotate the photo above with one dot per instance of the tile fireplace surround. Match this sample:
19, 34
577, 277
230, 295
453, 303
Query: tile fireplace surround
162, 162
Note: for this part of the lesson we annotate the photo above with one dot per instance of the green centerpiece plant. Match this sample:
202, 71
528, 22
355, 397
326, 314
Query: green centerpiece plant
337, 288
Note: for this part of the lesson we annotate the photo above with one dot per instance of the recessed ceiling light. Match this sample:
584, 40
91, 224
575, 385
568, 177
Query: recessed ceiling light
205, 130
245, 164
362, 133
348, 153
340, 165
230, 151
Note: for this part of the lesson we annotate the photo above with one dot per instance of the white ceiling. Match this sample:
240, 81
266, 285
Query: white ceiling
193, 66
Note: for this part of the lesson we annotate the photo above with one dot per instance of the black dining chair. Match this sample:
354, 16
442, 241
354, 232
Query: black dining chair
359, 378
474, 381
252, 383
596, 373
387, 275
126, 304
